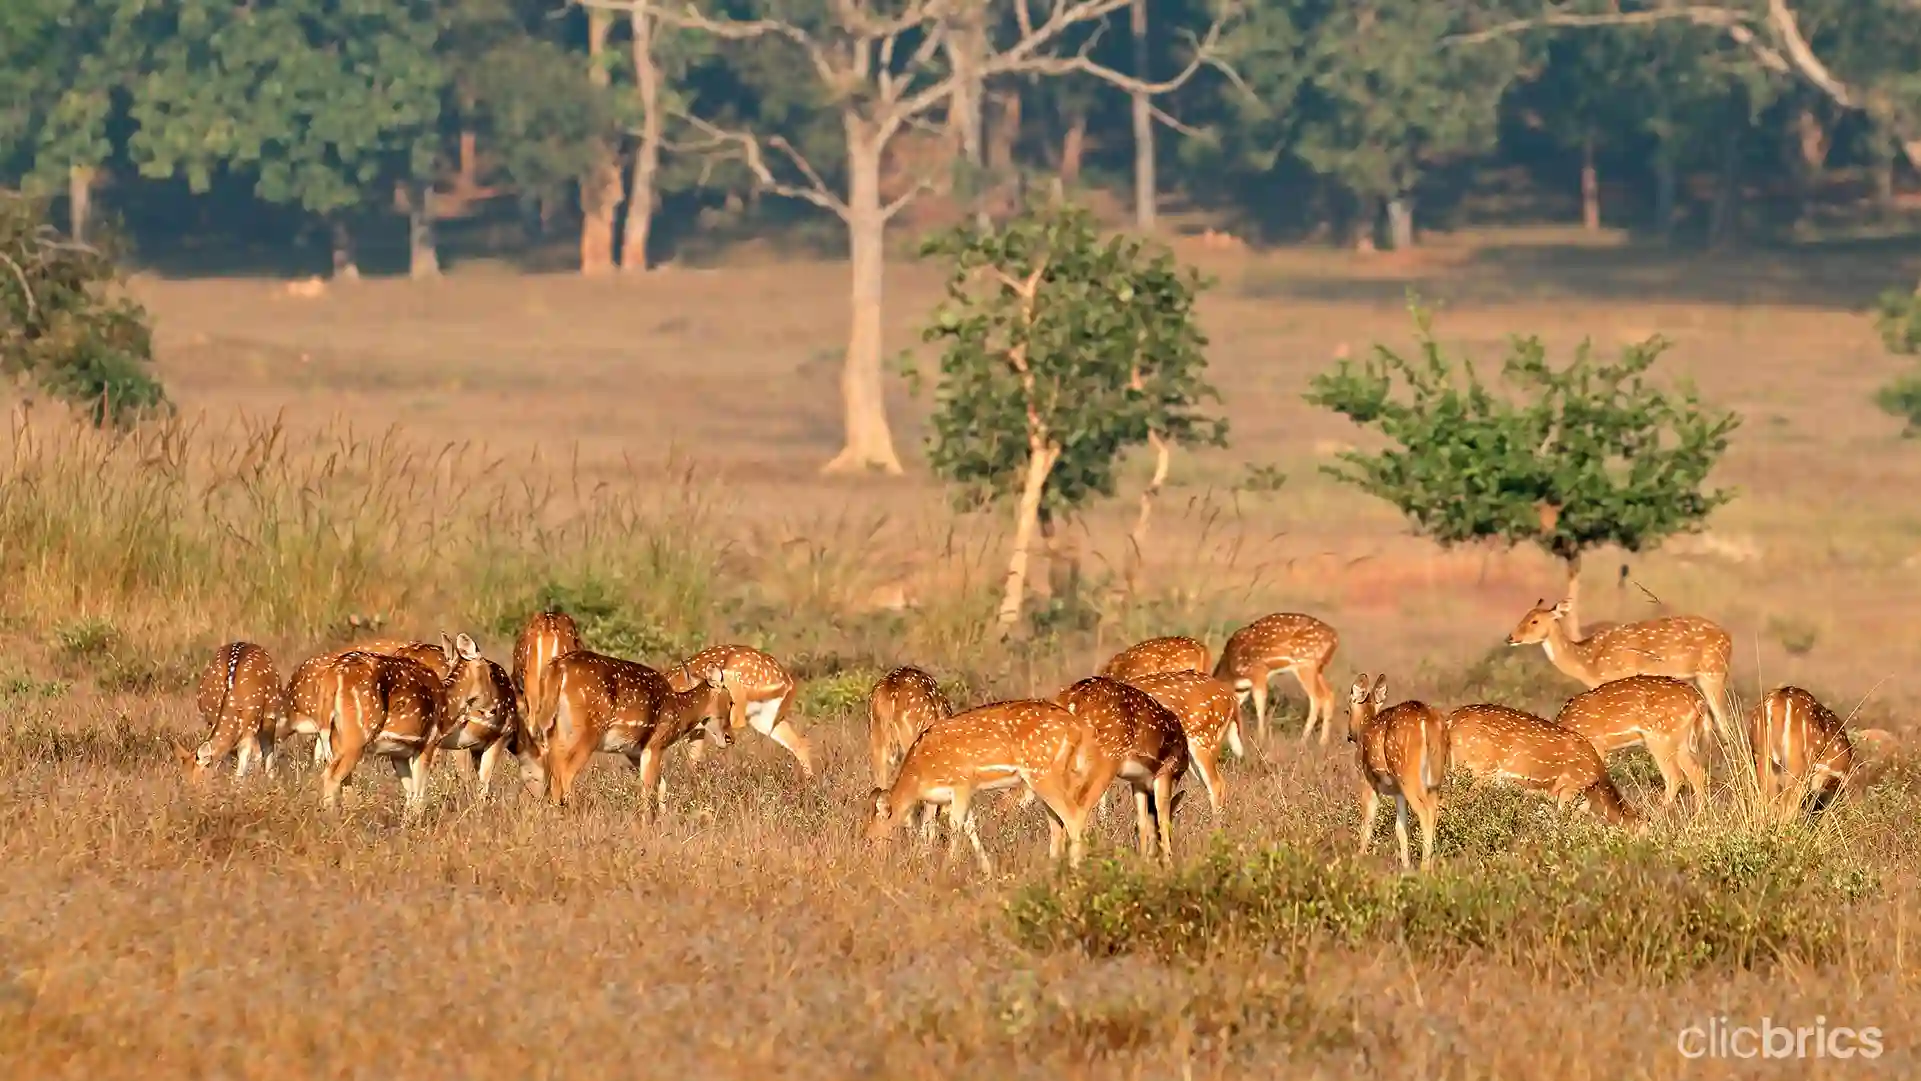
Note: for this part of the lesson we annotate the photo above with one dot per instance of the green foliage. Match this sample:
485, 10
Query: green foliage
1571, 459
609, 622
1661, 908
1102, 350
328, 103
63, 327
1897, 316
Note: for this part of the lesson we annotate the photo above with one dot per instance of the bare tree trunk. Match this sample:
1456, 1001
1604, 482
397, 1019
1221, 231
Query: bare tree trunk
1137, 540
346, 266
1041, 457
1572, 621
966, 46
1590, 187
469, 177
641, 197
1146, 191
1666, 190
1073, 147
869, 440
1400, 223
600, 188
80, 179
423, 258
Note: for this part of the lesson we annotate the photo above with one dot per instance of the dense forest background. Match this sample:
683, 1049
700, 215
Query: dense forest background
395, 134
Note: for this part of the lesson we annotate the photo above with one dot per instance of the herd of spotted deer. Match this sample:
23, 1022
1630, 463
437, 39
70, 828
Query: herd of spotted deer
1152, 712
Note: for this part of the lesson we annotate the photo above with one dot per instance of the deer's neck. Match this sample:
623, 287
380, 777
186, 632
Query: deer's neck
1568, 655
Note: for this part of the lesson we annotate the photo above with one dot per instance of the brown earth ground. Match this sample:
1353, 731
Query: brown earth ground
146, 932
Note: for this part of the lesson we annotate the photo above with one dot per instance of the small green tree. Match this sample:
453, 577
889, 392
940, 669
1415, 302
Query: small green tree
1062, 350
1898, 317
1569, 458
60, 327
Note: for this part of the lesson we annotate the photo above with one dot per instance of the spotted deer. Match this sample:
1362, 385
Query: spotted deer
1403, 754
437, 658
1025, 742
592, 703
390, 707
761, 689
309, 691
241, 700
1282, 642
900, 707
1210, 717
1666, 715
1496, 743
1172, 654
482, 719
1802, 753
1140, 743
1682, 647
547, 635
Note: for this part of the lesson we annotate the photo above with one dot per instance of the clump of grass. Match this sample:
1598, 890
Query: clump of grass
1655, 909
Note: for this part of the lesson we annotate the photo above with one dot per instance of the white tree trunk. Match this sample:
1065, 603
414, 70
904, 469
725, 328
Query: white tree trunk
1040, 462
423, 256
1590, 187
346, 267
641, 197
1400, 223
80, 180
869, 441
1146, 185
600, 187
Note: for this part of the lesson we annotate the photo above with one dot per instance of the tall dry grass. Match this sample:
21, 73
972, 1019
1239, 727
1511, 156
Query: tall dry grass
237, 932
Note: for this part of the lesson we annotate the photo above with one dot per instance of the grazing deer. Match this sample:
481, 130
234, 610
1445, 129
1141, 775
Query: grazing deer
1282, 642
438, 659
1026, 741
1500, 744
481, 717
761, 690
594, 703
1667, 715
1140, 742
547, 635
1210, 715
1801, 751
1683, 647
241, 700
1172, 654
900, 707
1404, 754
391, 707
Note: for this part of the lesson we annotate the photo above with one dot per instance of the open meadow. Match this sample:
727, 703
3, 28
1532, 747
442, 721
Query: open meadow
402, 459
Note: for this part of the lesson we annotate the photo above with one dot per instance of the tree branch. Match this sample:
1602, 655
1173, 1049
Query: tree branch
747, 147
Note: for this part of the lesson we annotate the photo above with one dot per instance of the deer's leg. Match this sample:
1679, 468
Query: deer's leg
1664, 760
485, 762
1164, 815
1204, 764
970, 825
1325, 705
929, 816
958, 808
1691, 767
1370, 807
1305, 675
1429, 810
338, 768
1400, 829
1259, 691
1144, 832
243, 756
422, 767
1714, 687
653, 789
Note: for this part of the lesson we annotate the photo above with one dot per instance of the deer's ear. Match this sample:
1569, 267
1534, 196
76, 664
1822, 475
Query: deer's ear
1561, 607
716, 678
1359, 691
1380, 692
465, 647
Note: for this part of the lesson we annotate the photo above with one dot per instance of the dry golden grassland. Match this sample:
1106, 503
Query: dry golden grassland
449, 456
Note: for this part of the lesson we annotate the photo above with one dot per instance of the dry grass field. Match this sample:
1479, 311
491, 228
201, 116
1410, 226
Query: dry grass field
447, 456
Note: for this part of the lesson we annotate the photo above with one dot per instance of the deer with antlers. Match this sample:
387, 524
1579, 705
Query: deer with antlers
1403, 754
591, 703
901, 706
240, 698
1141, 743
390, 707
1282, 642
1210, 716
1802, 753
1500, 744
1176, 653
1025, 742
1683, 647
547, 635
761, 689
1668, 716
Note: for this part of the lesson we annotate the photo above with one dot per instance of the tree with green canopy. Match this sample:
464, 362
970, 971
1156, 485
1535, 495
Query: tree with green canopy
1568, 458
1061, 350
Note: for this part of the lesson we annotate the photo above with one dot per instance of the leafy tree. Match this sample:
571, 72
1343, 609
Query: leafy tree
1061, 350
61, 324
331, 104
1383, 104
1566, 458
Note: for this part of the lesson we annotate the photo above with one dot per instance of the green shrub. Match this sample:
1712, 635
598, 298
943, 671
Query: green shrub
1660, 908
